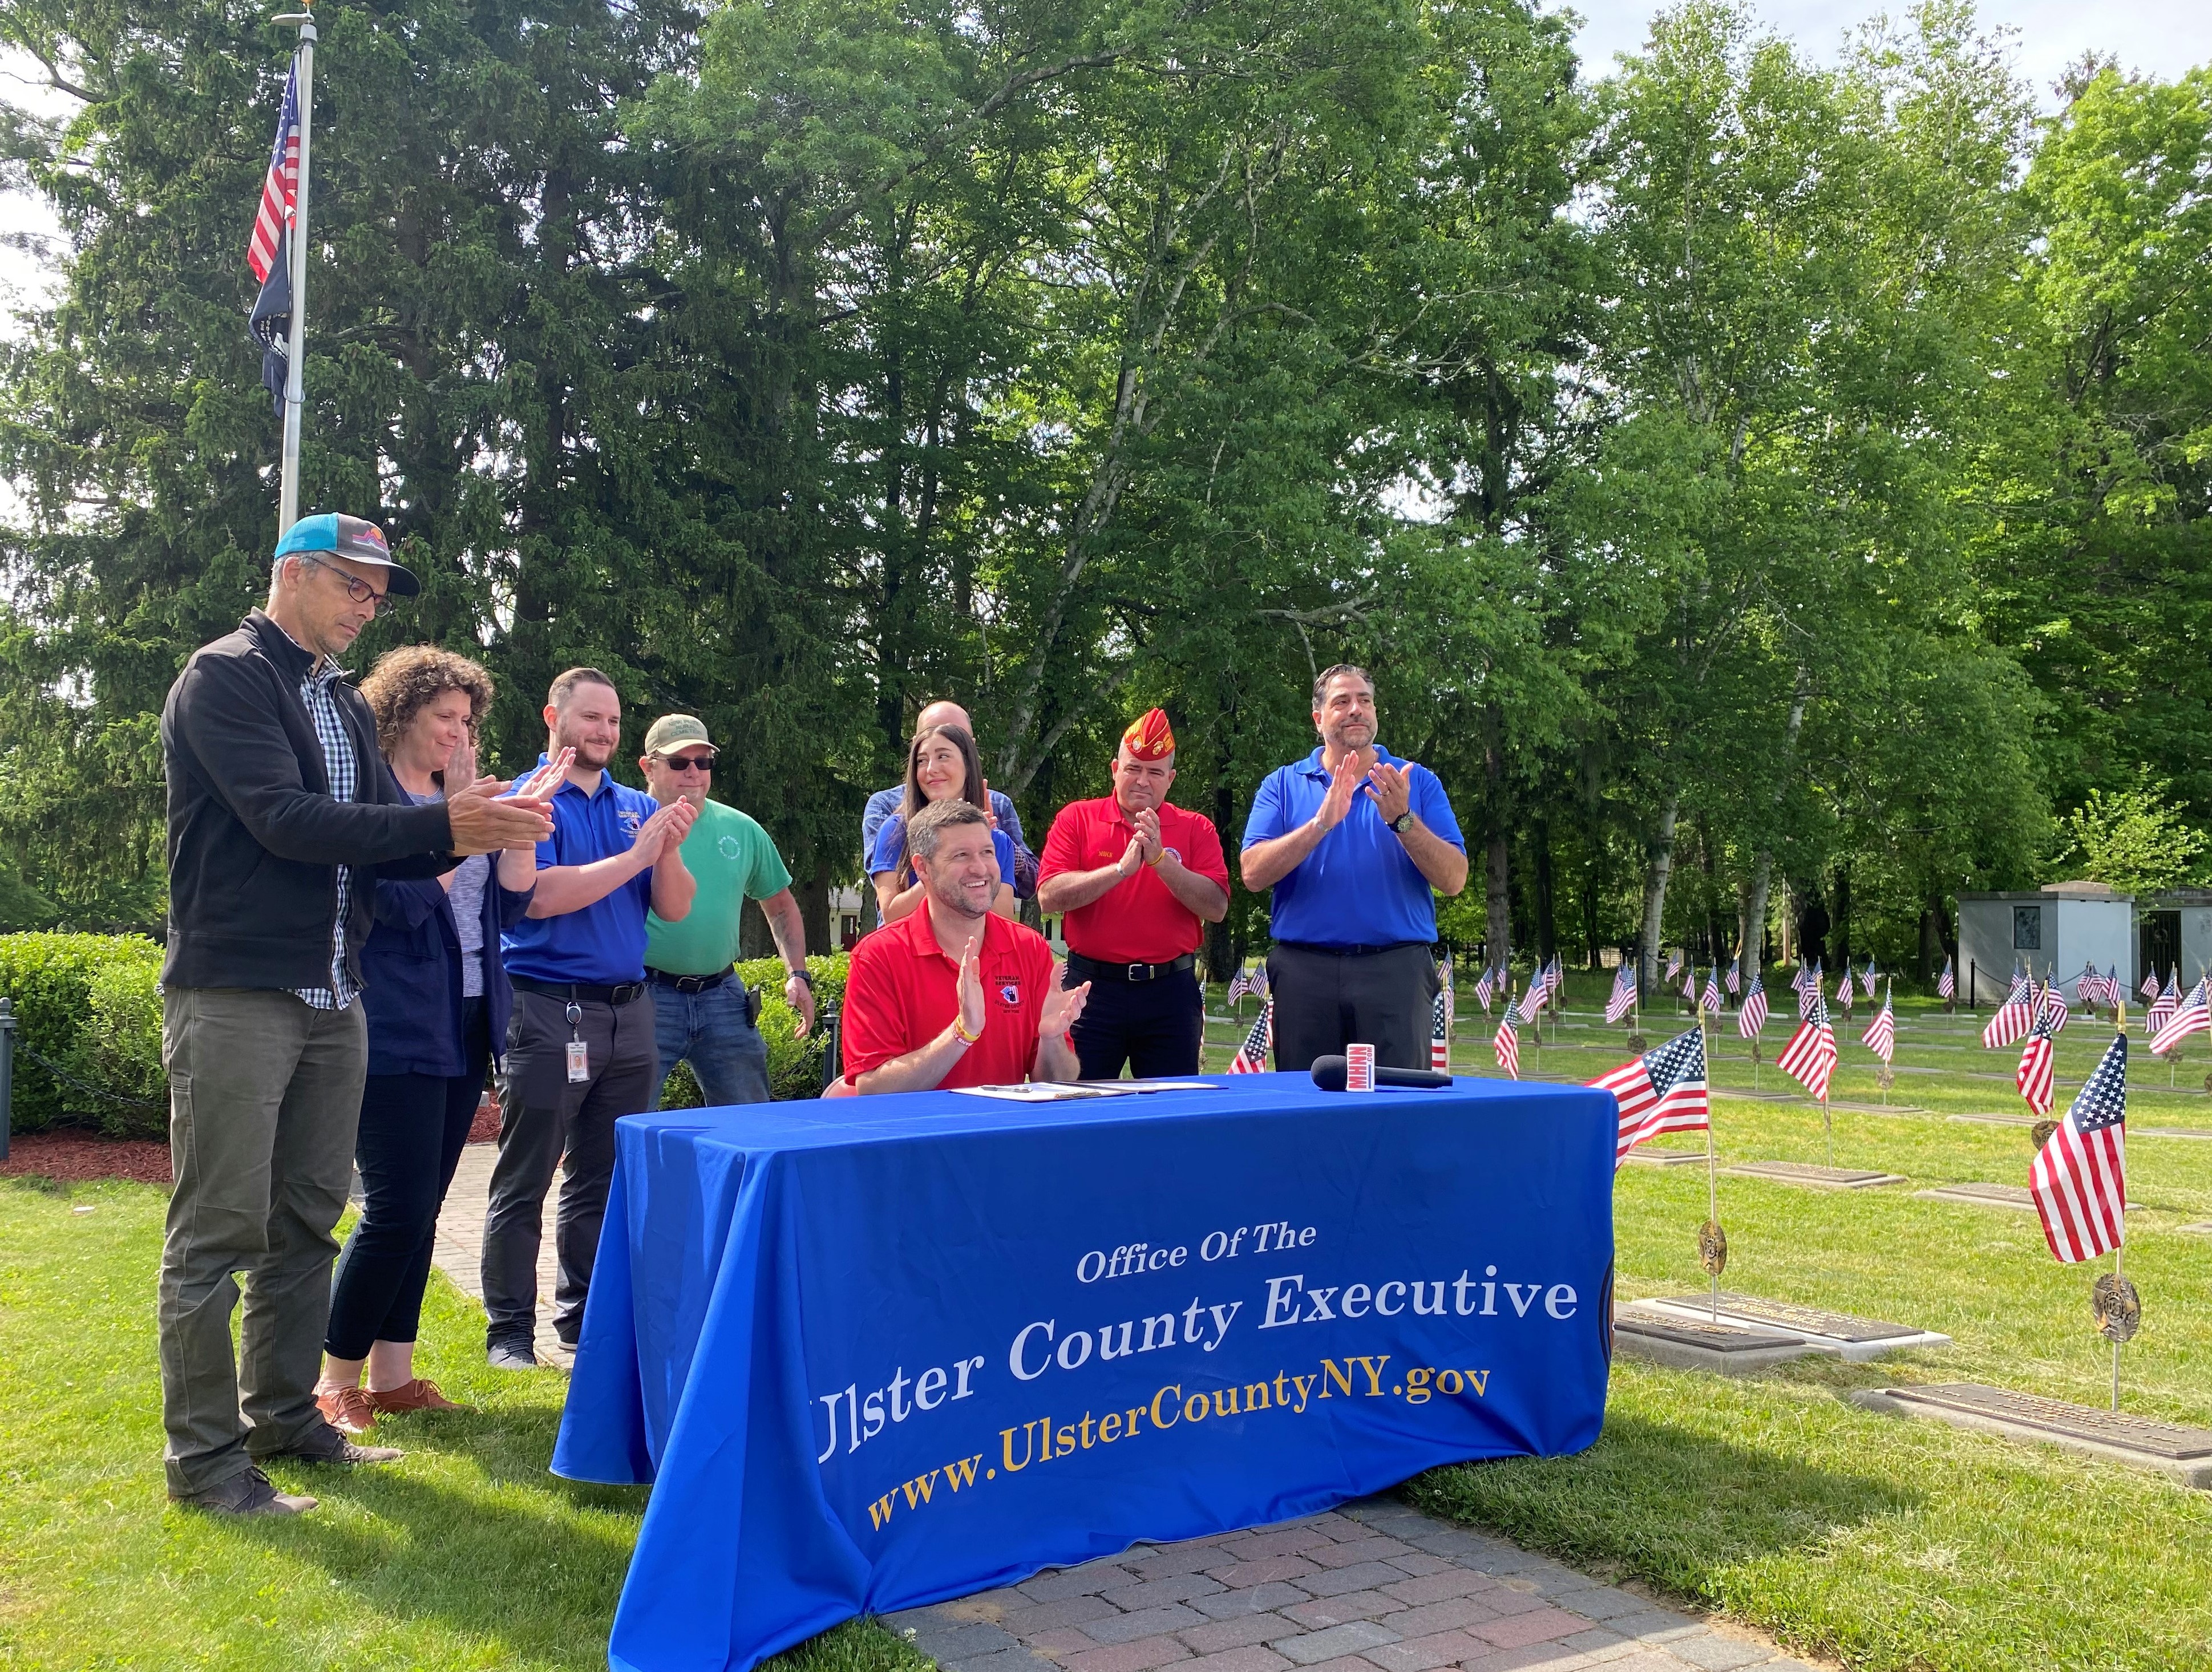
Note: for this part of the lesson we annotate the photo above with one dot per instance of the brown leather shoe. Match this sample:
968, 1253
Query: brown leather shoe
348, 1410
324, 1444
250, 1493
420, 1395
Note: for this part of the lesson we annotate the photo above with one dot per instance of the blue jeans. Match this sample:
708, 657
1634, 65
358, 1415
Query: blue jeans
728, 1057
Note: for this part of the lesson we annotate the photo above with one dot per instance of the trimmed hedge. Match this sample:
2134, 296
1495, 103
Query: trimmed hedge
91, 1004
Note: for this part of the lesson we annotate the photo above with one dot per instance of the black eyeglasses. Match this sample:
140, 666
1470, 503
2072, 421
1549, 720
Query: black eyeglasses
356, 589
690, 762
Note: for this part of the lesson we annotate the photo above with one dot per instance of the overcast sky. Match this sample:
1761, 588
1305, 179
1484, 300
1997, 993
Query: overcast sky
2159, 37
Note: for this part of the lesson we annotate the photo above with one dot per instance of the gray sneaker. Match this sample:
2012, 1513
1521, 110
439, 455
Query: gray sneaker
504, 1355
324, 1444
250, 1493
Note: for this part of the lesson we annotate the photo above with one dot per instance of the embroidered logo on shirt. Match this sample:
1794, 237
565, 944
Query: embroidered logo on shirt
629, 819
1011, 994
729, 847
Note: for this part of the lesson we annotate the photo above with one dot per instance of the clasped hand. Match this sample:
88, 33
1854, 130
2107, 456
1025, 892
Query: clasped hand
1144, 847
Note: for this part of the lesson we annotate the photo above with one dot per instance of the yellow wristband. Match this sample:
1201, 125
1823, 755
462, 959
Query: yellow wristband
960, 1031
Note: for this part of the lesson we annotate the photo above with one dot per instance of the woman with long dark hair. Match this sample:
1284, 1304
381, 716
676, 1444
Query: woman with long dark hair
941, 765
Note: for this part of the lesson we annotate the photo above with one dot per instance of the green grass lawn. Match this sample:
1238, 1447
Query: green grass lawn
1887, 1543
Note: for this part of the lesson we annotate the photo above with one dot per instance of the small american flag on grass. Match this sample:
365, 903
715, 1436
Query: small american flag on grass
1251, 1056
1663, 1091
1947, 984
1880, 1035
1809, 1058
1753, 1016
1623, 998
2079, 1179
1507, 1043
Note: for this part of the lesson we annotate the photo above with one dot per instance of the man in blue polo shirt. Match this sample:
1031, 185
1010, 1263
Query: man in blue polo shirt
579, 1048
1355, 843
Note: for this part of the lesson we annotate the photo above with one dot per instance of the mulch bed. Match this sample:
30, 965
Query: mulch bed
71, 1157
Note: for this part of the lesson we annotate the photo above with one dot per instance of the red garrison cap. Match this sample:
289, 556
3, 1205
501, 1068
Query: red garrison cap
1149, 737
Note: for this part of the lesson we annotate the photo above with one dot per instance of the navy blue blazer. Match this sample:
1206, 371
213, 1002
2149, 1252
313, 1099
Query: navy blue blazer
411, 976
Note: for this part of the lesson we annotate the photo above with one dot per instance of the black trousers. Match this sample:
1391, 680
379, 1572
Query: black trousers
1154, 1027
1326, 1000
546, 1121
412, 1128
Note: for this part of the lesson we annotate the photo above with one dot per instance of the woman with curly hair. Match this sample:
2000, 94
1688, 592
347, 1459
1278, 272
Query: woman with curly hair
437, 1000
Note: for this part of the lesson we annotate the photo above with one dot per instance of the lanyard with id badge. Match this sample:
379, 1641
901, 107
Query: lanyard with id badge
579, 1053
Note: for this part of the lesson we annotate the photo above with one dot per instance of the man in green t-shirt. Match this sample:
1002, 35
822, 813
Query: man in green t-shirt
700, 1010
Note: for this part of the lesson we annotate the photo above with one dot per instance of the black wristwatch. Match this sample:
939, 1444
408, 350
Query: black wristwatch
1403, 822
799, 975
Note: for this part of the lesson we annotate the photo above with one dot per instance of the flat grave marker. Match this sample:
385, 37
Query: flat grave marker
2204, 1229
2180, 1453
1992, 1195
2170, 1132
1813, 1177
1645, 1156
1994, 1119
1726, 1349
1854, 1339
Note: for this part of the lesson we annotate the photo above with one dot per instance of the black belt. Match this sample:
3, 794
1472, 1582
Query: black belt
687, 983
576, 992
1090, 969
1350, 951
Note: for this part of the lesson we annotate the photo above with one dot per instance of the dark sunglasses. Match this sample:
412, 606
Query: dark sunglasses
690, 762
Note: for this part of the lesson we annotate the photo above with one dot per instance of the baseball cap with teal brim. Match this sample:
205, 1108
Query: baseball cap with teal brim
349, 537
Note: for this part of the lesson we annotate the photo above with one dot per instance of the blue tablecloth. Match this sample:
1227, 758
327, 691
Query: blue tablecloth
878, 1353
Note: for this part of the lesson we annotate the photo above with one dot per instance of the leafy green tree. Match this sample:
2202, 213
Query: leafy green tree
2135, 840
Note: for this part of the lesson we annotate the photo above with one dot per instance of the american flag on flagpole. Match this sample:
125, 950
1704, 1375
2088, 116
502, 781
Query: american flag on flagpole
1947, 984
280, 187
2149, 987
2014, 1016
2038, 1059
1753, 1016
1843, 990
1662, 1091
1440, 1035
1797, 981
1482, 989
2112, 985
1555, 977
1674, 963
1532, 1001
1251, 1056
1507, 1043
1809, 1058
1880, 1035
1239, 987
1736, 974
2194, 1016
1809, 995
1711, 1001
2079, 1178
2054, 1007
2162, 1007
1868, 977
2088, 987
1623, 998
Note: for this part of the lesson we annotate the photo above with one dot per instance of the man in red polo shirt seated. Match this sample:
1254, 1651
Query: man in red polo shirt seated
953, 995
1138, 880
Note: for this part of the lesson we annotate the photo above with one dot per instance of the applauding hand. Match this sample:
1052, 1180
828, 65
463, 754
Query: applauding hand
1062, 1005
1392, 790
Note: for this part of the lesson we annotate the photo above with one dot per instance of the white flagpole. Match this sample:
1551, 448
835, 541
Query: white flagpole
295, 394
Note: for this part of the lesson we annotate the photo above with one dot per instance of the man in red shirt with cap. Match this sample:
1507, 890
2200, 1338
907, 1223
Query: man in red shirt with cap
1136, 878
954, 994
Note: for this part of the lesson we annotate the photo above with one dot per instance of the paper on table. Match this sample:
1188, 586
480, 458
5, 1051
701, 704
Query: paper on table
1125, 1085
1035, 1091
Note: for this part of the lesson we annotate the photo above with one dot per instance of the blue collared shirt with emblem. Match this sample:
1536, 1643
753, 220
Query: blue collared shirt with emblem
1360, 887
603, 944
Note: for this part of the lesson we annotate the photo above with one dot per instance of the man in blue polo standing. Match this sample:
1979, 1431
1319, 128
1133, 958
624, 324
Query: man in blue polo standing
1356, 844
579, 1046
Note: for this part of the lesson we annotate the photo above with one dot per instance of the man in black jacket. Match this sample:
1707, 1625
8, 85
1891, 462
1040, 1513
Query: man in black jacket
280, 815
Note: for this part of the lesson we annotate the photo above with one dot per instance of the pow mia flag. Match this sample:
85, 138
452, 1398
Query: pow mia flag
270, 322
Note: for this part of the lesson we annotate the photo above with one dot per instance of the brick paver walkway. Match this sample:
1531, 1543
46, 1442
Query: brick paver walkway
458, 1252
1373, 1587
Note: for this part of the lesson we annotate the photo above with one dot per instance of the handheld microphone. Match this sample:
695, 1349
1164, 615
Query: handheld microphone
1329, 1073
